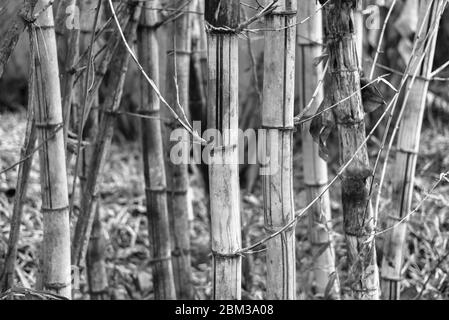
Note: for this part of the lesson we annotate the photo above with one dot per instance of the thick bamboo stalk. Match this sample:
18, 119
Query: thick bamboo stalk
310, 37
342, 81
403, 175
7, 276
9, 40
223, 161
277, 120
177, 90
153, 158
119, 67
49, 122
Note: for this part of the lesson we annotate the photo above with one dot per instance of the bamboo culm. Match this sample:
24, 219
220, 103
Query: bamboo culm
153, 160
342, 80
310, 35
96, 251
277, 120
179, 204
49, 121
119, 67
223, 159
403, 176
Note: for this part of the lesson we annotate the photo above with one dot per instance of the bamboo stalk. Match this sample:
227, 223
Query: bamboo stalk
403, 175
223, 161
310, 35
49, 121
87, 28
7, 276
177, 90
153, 158
9, 40
95, 264
119, 67
342, 81
277, 120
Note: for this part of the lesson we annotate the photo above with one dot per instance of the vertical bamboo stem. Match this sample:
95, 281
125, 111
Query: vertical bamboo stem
153, 157
49, 121
403, 175
223, 162
342, 81
95, 264
310, 37
177, 89
119, 67
277, 120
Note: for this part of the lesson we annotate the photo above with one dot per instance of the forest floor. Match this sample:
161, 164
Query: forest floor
425, 273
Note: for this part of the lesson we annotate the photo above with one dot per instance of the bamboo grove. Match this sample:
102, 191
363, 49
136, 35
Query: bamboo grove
310, 87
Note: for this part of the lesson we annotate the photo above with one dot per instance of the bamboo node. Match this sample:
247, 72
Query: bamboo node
54, 210
407, 151
161, 259
280, 128
178, 192
156, 190
178, 52
222, 255
57, 285
394, 279
284, 13
274, 230
49, 126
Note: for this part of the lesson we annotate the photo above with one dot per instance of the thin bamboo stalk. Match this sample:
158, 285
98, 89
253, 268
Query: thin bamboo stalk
119, 67
177, 90
153, 158
277, 120
7, 276
96, 251
9, 40
403, 175
310, 35
342, 81
223, 161
49, 121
